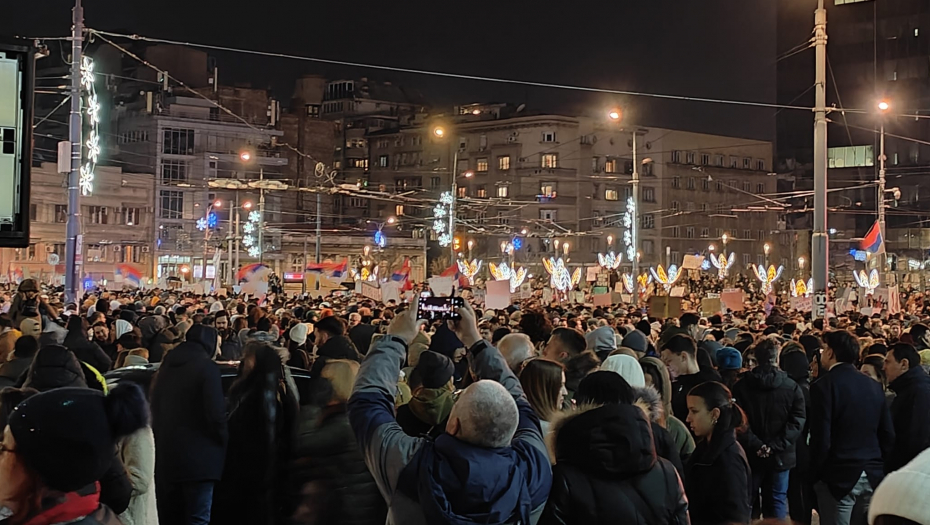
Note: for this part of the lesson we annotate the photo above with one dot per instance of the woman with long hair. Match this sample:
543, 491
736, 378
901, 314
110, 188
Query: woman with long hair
717, 480
262, 415
543, 383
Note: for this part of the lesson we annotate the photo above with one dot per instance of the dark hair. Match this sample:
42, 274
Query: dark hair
604, 387
918, 330
878, 363
901, 351
572, 339
681, 343
499, 334
542, 382
25, 347
266, 372
332, 325
181, 310
579, 366
845, 346
766, 351
789, 328
717, 395
263, 325
537, 326
688, 319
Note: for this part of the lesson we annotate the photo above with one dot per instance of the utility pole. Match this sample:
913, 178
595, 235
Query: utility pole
819, 239
261, 212
319, 258
882, 257
72, 267
634, 224
455, 195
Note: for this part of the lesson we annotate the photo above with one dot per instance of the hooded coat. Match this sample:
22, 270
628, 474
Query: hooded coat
607, 471
339, 347
601, 341
910, 413
719, 482
448, 480
189, 412
676, 428
774, 406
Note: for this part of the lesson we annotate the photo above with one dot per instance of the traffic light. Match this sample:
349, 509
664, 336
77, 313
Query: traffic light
457, 243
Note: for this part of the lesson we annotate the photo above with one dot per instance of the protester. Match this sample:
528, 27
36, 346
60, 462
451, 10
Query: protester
628, 368
801, 495
189, 422
137, 454
656, 375
543, 382
718, 481
679, 353
430, 382
331, 341
910, 411
516, 349
360, 332
88, 352
845, 402
774, 407
56, 445
24, 352
601, 341
493, 438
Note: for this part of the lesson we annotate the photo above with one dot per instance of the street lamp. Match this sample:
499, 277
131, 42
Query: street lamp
711, 248
245, 156
391, 220
439, 132
883, 107
615, 114
766, 248
610, 240
801, 265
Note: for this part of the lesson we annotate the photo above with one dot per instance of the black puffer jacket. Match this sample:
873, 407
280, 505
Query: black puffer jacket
607, 471
332, 484
719, 482
189, 412
910, 413
774, 406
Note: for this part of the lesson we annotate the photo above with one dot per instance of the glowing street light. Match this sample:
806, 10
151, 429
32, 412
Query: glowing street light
391, 220
439, 131
884, 105
245, 156
614, 114
247, 205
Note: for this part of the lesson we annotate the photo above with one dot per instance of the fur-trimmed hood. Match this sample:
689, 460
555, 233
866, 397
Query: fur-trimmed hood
613, 441
649, 401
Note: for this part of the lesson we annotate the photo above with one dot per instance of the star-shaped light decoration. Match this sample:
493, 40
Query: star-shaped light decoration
254, 251
255, 216
202, 223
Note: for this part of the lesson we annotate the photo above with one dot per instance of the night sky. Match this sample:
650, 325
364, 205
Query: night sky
706, 48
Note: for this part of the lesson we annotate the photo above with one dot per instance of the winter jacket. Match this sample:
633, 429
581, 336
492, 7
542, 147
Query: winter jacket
682, 385
679, 432
331, 484
73, 508
719, 482
230, 347
851, 429
12, 371
339, 347
649, 401
447, 480
189, 412
426, 412
361, 335
7, 343
150, 325
163, 342
88, 352
607, 471
774, 406
910, 413
137, 453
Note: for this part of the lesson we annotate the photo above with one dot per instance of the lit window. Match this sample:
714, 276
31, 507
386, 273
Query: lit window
610, 166
482, 165
850, 157
503, 163
482, 192
384, 161
503, 191
462, 192
611, 195
399, 209
547, 189
550, 160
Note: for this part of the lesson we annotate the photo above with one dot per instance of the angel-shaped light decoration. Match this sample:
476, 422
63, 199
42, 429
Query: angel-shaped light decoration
469, 269
515, 275
801, 289
723, 264
560, 278
644, 281
667, 279
767, 277
609, 261
870, 282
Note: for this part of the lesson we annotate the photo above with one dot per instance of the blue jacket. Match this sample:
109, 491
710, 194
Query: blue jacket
447, 480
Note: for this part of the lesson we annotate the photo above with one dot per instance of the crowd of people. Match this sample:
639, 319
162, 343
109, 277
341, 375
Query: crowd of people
165, 407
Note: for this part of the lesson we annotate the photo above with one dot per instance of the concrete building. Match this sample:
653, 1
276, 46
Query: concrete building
552, 179
116, 226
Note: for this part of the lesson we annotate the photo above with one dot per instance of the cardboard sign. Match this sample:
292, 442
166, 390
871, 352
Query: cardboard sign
390, 291
602, 299
692, 262
371, 291
677, 291
711, 306
498, 295
547, 295
598, 290
732, 299
591, 273
802, 304
442, 286
577, 297
664, 306
626, 298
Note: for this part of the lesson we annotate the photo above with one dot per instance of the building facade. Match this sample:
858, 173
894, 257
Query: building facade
116, 225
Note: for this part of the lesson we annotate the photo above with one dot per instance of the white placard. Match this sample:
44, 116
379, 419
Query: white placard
390, 291
442, 286
498, 295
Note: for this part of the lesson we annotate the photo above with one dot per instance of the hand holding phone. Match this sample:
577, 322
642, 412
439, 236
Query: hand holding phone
431, 308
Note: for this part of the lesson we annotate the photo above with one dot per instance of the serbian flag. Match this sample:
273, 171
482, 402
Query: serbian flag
131, 275
403, 276
250, 270
453, 271
873, 241
331, 269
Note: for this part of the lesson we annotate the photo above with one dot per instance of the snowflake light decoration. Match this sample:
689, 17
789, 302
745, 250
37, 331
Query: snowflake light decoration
442, 215
255, 216
515, 275
248, 240
870, 282
92, 147
767, 277
254, 251
629, 216
248, 227
559, 276
202, 223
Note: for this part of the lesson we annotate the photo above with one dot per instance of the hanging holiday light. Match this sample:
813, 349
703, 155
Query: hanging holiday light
723, 264
870, 282
767, 278
469, 269
667, 279
249, 240
560, 278
628, 217
644, 281
801, 289
92, 142
440, 213
515, 275
610, 260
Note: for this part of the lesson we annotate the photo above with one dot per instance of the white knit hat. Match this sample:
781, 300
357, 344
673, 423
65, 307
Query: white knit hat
904, 493
299, 332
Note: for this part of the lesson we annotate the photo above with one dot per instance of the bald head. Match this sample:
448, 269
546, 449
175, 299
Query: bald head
485, 416
516, 348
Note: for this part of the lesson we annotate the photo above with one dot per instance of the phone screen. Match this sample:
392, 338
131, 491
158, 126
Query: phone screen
439, 308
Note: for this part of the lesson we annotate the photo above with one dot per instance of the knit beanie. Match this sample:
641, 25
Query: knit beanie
298, 333
924, 357
67, 435
114, 305
729, 358
635, 340
122, 327
904, 493
433, 370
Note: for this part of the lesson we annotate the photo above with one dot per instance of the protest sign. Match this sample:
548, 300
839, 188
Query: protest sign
498, 295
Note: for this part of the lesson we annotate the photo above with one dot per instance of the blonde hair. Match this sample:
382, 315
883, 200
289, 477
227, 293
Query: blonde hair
341, 374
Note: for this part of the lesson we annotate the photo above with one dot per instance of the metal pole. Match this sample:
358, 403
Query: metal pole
820, 239
303, 282
230, 240
72, 268
634, 226
881, 198
319, 257
238, 247
206, 240
261, 211
455, 195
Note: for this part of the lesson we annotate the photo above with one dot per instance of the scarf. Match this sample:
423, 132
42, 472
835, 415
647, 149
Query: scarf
432, 405
58, 507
